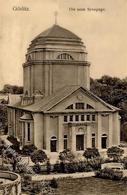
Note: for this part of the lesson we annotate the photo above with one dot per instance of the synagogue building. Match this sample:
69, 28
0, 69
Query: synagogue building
57, 110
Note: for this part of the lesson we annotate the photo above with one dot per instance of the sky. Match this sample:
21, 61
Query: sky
103, 33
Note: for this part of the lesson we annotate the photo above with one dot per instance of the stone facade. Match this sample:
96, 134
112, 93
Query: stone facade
57, 110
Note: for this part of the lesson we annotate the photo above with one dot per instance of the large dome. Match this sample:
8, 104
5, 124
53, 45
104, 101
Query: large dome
57, 31
54, 36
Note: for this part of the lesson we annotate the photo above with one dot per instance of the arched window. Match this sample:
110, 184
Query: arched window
65, 142
70, 106
64, 56
53, 144
89, 106
104, 141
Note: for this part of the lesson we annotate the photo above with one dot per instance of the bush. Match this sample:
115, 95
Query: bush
66, 155
71, 167
95, 163
124, 161
28, 149
48, 166
57, 168
53, 183
91, 153
15, 143
38, 156
84, 166
115, 153
108, 173
37, 168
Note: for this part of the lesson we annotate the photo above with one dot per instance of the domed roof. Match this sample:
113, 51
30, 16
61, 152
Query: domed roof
57, 31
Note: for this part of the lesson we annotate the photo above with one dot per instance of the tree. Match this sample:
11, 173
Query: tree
115, 153
38, 156
66, 155
13, 89
28, 150
91, 153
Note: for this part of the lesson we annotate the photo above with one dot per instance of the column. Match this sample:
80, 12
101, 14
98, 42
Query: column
73, 139
99, 133
88, 137
110, 130
60, 134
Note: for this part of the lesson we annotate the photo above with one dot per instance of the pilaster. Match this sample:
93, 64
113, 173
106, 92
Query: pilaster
60, 134
73, 139
99, 131
88, 145
110, 130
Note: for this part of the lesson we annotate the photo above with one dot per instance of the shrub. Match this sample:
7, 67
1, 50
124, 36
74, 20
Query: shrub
66, 155
84, 166
53, 183
91, 153
108, 173
15, 143
71, 167
28, 149
57, 168
124, 161
95, 163
115, 153
48, 166
37, 168
38, 156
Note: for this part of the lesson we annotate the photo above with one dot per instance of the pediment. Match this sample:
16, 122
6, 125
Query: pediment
80, 100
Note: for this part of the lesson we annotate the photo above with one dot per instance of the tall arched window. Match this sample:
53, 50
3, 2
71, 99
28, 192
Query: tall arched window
53, 144
65, 142
64, 56
104, 141
93, 140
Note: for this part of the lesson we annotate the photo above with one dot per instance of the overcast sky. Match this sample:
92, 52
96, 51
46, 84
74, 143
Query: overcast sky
104, 33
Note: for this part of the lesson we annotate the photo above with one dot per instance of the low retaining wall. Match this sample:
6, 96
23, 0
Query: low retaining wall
63, 175
13, 184
112, 166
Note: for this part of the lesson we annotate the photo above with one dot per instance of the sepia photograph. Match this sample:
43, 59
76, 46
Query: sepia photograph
63, 97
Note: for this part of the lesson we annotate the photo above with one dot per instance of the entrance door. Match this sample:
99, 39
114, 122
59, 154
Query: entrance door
104, 142
53, 146
79, 142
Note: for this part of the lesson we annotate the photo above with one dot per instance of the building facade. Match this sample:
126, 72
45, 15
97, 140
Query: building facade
57, 110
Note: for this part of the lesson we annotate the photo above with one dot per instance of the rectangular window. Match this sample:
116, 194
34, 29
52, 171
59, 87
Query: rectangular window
65, 118
93, 117
65, 144
77, 117
93, 142
71, 117
82, 118
79, 105
28, 131
88, 117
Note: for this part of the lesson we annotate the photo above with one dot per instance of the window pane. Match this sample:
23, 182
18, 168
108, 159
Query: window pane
88, 117
93, 142
77, 117
79, 105
82, 117
65, 118
28, 131
93, 117
71, 117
